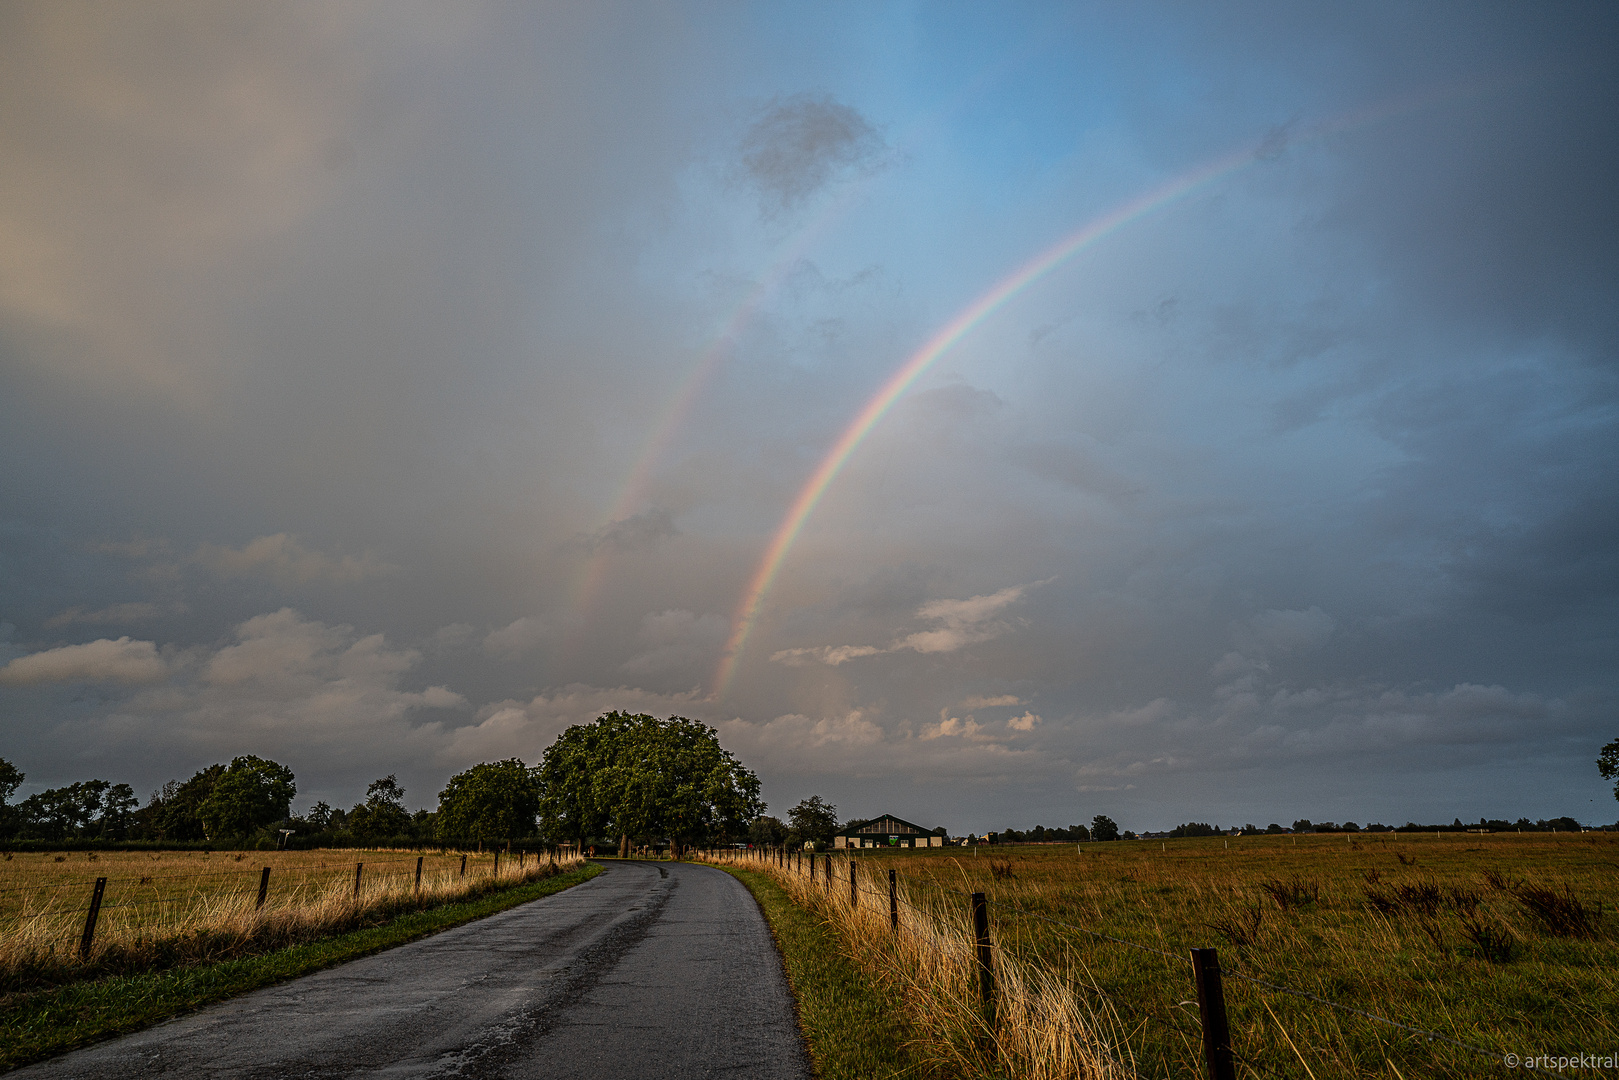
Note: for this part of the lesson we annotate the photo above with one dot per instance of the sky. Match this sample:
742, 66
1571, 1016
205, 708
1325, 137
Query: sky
986, 414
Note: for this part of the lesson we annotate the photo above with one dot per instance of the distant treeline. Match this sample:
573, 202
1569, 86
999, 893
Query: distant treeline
247, 803
1080, 834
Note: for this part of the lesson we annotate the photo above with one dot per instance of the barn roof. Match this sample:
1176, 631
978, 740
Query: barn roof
884, 825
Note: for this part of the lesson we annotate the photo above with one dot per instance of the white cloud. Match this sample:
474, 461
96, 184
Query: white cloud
286, 560
1026, 722
961, 623
954, 726
121, 661
825, 654
518, 638
442, 697
1000, 701
287, 686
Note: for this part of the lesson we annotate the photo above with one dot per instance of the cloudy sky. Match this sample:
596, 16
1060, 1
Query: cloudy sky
385, 387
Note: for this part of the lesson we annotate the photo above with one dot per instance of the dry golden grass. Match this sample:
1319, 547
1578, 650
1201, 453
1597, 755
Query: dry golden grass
1040, 1029
1505, 942
163, 909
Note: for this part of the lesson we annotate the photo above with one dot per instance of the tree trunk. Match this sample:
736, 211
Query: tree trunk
674, 849
623, 845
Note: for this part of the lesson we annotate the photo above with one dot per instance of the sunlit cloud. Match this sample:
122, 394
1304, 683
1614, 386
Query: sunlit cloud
103, 660
960, 623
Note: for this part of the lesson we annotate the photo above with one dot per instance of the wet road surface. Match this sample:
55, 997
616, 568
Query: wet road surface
647, 970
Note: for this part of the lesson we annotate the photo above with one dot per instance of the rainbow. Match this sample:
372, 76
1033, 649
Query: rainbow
747, 612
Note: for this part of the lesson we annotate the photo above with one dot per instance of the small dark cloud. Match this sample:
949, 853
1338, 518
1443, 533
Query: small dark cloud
804, 142
635, 533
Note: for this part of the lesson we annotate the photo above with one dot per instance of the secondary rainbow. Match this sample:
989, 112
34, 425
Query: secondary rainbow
747, 612
638, 481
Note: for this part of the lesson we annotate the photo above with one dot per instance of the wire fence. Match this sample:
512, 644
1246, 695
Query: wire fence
822, 869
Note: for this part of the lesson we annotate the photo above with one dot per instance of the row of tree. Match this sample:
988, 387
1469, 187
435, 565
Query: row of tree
631, 777
222, 800
1101, 828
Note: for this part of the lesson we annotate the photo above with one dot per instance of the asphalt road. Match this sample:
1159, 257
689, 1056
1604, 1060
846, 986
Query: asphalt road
648, 970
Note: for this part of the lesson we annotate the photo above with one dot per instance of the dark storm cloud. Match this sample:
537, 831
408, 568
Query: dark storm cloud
803, 142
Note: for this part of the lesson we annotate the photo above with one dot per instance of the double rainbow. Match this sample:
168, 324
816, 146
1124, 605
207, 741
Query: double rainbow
747, 611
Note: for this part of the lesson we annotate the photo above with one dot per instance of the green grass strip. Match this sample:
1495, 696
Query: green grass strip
48, 1022
853, 1029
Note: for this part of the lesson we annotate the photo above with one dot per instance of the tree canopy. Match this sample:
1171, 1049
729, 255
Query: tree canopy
496, 800
251, 793
813, 820
383, 813
639, 776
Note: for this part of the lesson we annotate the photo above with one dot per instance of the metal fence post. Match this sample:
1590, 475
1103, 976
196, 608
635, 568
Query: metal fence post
986, 970
357, 868
854, 887
90, 918
264, 888
893, 903
418, 873
1211, 1006
812, 867
828, 885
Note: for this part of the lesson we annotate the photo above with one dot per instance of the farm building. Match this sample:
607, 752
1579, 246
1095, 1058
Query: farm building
886, 831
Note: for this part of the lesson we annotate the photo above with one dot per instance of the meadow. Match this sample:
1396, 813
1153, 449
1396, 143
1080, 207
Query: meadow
179, 908
1503, 942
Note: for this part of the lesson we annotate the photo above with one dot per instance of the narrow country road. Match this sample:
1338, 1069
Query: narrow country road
648, 970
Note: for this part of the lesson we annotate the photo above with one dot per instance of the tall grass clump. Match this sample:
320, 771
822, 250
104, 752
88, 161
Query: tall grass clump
210, 922
1039, 1027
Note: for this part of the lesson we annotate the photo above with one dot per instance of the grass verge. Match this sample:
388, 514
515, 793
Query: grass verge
47, 1022
852, 1028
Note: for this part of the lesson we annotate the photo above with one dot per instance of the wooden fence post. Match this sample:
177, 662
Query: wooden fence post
497, 862
828, 885
854, 887
893, 903
463, 866
986, 969
357, 868
90, 918
264, 888
418, 873
1211, 1006
812, 867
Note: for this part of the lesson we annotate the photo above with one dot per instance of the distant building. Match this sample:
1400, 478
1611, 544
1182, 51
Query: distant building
886, 831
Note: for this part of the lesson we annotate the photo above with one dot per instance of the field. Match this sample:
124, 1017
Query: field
163, 909
1504, 942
